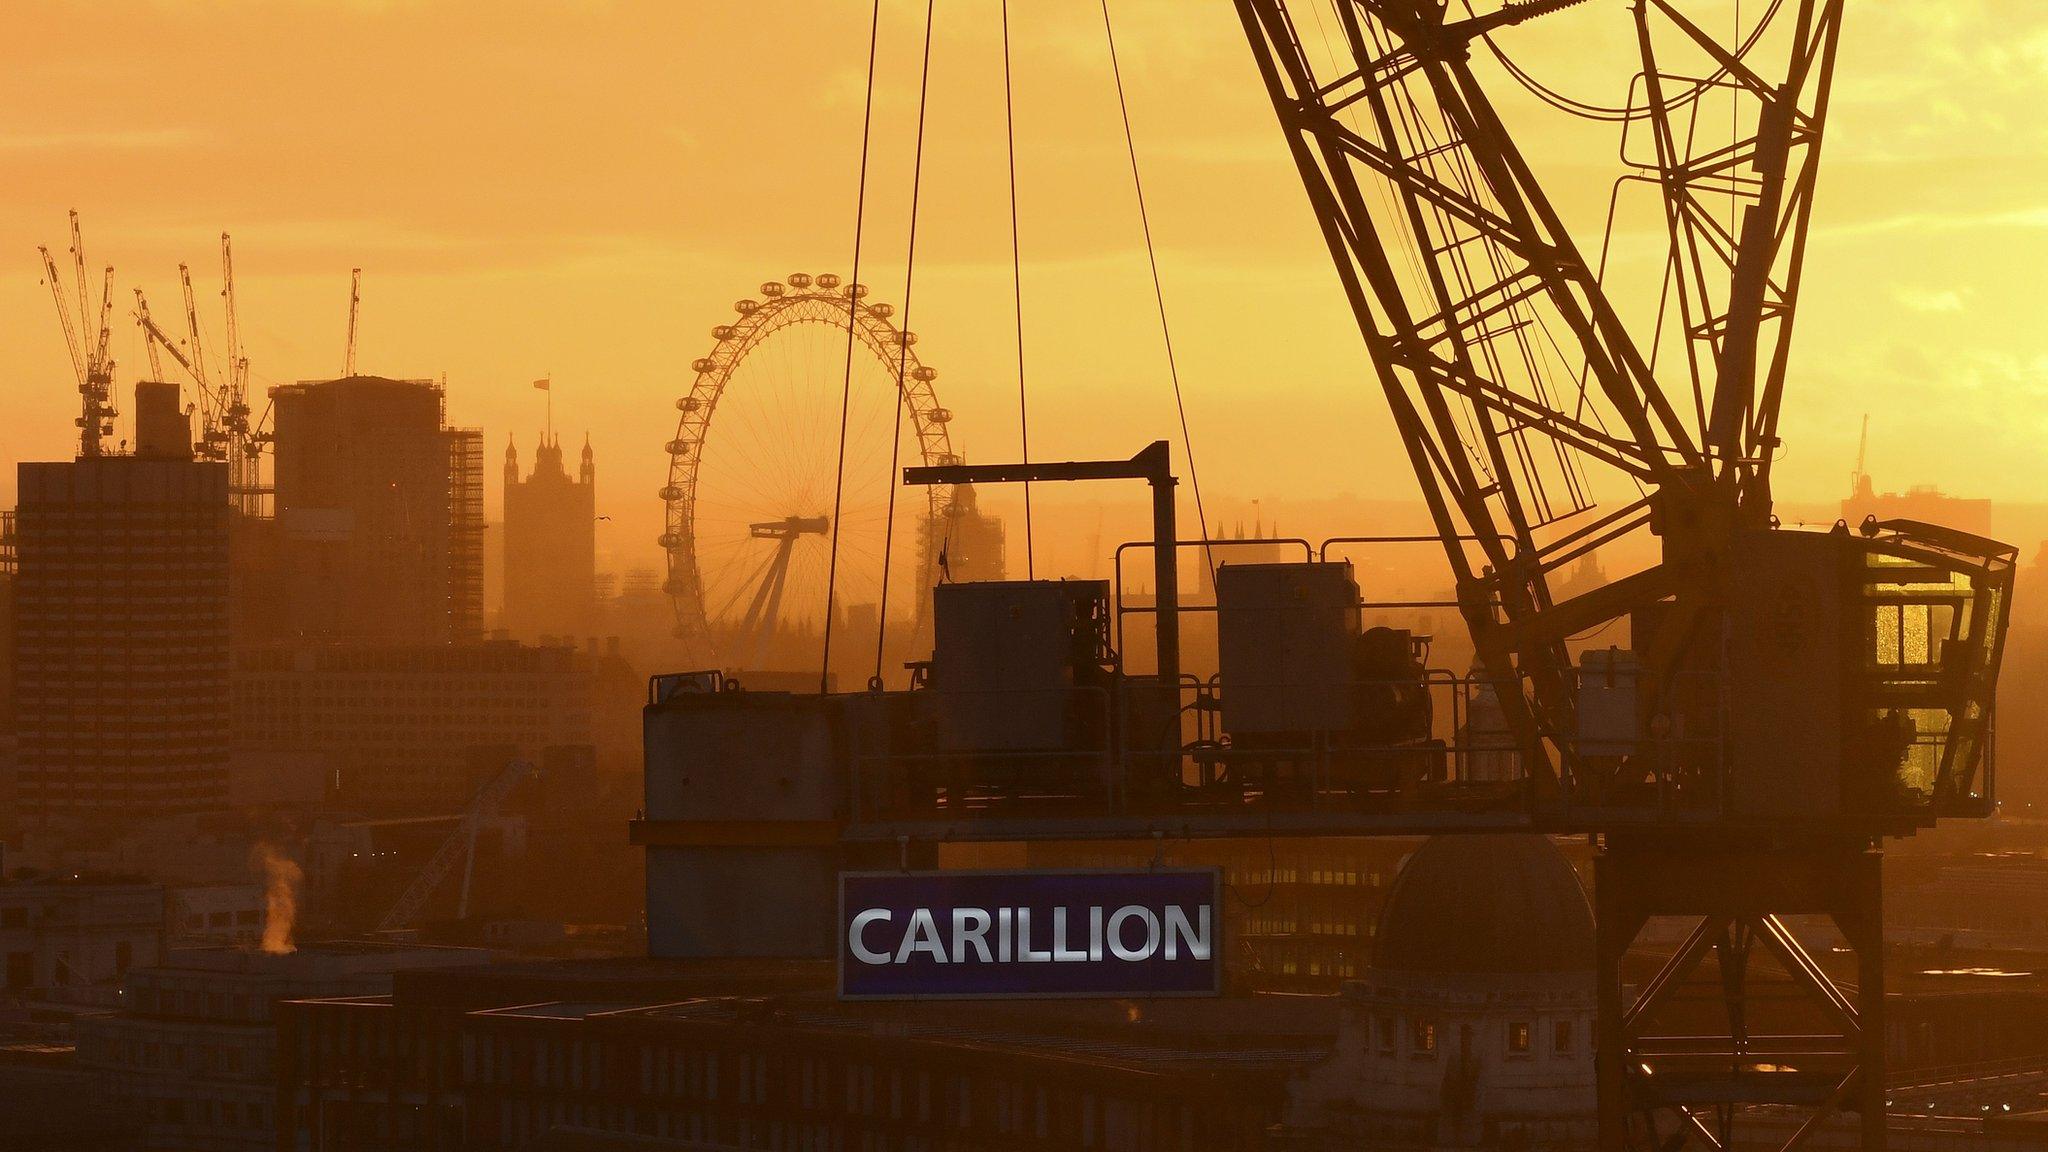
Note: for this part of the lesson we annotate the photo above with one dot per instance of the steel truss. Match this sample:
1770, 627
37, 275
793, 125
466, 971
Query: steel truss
1667, 1078
1523, 398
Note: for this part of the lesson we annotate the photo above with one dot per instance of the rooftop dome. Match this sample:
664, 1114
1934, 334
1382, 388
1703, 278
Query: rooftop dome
1494, 904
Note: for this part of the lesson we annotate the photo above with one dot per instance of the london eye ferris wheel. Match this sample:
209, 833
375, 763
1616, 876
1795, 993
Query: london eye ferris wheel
785, 414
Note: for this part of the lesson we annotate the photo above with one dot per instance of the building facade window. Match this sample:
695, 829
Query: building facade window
1518, 1037
1422, 1036
1561, 1037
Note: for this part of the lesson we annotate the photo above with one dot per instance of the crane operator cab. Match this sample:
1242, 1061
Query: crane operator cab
1823, 675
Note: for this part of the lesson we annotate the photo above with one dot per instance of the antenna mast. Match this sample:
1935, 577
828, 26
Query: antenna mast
1860, 477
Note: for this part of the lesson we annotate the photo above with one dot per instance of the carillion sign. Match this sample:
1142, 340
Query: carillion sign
909, 935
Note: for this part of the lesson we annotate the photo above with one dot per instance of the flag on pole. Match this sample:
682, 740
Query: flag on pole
544, 385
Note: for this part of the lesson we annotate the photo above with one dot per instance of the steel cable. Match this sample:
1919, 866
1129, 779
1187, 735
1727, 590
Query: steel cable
903, 353
860, 204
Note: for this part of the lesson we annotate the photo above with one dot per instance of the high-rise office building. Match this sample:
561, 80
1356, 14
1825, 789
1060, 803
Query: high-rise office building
550, 544
121, 631
379, 510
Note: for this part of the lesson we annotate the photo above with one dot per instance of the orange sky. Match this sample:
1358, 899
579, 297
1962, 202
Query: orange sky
584, 188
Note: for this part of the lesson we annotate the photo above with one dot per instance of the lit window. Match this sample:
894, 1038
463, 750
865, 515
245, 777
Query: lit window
1561, 1036
1518, 1036
1422, 1037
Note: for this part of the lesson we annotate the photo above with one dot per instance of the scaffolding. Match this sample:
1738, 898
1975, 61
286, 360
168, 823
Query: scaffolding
465, 532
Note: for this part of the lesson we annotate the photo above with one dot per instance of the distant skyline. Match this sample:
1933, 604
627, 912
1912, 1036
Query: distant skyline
583, 189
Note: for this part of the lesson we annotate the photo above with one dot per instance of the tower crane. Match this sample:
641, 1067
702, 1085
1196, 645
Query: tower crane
245, 441
1541, 427
226, 431
460, 845
150, 336
212, 436
156, 337
91, 360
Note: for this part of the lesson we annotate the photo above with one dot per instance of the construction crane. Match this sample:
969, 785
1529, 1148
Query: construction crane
460, 845
1786, 701
155, 337
1540, 427
213, 441
227, 433
355, 304
245, 441
150, 336
91, 360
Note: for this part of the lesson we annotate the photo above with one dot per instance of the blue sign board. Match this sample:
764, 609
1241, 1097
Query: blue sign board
1015, 934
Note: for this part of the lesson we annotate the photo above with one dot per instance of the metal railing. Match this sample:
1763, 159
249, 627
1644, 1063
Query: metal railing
1141, 748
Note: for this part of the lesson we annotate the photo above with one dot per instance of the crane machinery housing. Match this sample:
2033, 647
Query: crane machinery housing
1788, 699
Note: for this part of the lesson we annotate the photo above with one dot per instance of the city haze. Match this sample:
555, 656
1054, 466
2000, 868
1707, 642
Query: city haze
583, 190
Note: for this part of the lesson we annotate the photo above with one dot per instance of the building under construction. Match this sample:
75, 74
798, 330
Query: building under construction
379, 512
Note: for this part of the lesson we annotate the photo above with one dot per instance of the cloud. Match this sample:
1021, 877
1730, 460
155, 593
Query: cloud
1936, 300
153, 138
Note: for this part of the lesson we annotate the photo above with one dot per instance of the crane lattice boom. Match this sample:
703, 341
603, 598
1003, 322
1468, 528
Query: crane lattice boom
1537, 422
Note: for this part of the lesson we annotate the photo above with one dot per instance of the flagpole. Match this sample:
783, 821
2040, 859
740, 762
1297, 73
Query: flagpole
547, 385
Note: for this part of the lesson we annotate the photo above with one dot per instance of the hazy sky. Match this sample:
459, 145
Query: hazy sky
585, 189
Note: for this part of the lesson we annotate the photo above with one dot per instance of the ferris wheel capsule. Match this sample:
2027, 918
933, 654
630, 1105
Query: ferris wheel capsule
828, 280
926, 375
746, 307
771, 288
678, 447
882, 310
906, 338
703, 364
941, 416
689, 404
856, 290
722, 332
799, 279
668, 540
670, 492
